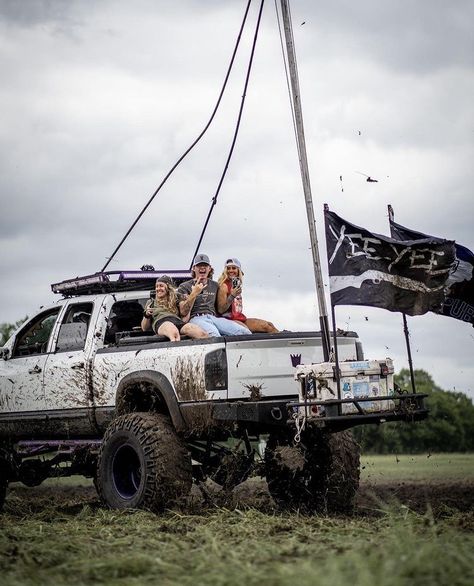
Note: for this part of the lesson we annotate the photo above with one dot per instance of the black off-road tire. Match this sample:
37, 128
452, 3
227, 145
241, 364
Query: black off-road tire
319, 474
143, 464
344, 472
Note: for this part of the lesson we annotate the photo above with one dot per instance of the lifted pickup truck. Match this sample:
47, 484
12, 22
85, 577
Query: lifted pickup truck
84, 391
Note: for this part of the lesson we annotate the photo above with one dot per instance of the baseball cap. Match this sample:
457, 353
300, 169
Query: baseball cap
165, 279
234, 262
201, 259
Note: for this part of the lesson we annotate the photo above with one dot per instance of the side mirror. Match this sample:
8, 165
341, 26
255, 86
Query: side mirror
4, 353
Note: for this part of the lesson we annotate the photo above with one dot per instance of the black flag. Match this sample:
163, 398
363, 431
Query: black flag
370, 269
459, 302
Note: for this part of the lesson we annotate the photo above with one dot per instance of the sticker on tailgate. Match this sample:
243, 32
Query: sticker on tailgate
359, 365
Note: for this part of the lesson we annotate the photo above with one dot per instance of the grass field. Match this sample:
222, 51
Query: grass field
59, 534
417, 468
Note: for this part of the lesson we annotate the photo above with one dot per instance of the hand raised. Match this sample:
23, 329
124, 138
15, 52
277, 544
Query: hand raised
197, 288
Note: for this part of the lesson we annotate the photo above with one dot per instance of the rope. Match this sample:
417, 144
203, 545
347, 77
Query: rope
236, 131
300, 424
192, 145
285, 65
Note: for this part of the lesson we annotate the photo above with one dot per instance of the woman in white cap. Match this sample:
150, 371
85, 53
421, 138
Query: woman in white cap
161, 314
229, 299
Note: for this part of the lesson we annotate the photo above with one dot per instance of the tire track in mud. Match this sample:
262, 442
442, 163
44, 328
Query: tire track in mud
372, 499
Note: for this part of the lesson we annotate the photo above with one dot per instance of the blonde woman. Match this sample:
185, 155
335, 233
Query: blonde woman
229, 299
161, 314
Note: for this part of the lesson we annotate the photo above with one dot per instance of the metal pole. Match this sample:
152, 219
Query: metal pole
410, 362
295, 90
391, 217
336, 355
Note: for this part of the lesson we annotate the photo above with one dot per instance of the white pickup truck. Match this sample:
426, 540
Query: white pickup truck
84, 391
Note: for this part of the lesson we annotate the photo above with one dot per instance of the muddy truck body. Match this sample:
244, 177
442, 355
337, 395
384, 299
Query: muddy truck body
84, 391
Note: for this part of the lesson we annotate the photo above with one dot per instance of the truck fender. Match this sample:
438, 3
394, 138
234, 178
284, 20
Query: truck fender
155, 387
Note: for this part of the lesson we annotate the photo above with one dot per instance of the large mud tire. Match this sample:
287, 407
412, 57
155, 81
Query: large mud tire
319, 474
143, 464
343, 476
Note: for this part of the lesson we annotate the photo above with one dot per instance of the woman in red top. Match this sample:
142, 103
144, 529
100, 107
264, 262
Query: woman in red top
229, 299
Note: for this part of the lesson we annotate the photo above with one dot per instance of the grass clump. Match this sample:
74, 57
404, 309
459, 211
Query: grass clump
235, 547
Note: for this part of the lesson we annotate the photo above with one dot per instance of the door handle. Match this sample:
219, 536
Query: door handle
77, 365
35, 370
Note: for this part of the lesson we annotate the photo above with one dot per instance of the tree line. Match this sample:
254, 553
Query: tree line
448, 428
6, 330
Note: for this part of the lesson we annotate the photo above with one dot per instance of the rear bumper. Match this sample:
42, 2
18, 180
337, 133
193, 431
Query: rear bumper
283, 412
407, 407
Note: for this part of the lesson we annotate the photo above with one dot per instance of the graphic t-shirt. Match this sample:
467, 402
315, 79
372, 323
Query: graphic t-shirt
205, 302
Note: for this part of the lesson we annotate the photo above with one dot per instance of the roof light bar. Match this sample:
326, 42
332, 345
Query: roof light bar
78, 282
141, 275
115, 281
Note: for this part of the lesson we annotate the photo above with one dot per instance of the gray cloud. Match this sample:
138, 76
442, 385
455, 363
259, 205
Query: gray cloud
418, 37
32, 12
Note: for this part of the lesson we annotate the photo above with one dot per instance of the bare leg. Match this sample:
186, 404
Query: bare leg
169, 330
260, 326
193, 331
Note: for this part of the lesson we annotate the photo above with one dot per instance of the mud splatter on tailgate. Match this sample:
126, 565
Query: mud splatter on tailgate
188, 379
255, 391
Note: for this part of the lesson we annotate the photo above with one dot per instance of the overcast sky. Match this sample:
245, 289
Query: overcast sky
99, 99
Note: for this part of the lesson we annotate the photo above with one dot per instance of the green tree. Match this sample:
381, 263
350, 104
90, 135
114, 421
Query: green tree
448, 428
424, 383
6, 330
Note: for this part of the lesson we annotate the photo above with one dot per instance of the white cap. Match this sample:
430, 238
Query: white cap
233, 262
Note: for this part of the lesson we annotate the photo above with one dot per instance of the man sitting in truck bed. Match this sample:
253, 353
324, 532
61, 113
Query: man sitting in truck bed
198, 297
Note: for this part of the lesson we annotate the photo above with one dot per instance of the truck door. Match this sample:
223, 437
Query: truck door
67, 372
21, 374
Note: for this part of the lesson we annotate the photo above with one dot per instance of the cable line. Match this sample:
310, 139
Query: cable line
285, 65
236, 131
192, 145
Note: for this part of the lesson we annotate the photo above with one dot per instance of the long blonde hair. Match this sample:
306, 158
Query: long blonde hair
225, 276
170, 302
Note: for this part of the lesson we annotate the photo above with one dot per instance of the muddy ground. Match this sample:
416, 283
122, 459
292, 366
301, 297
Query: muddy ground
440, 497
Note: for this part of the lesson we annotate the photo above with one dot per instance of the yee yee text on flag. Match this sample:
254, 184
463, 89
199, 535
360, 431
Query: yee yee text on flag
459, 302
370, 269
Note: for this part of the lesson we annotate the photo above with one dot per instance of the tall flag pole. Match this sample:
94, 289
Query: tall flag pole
405, 323
300, 138
334, 332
